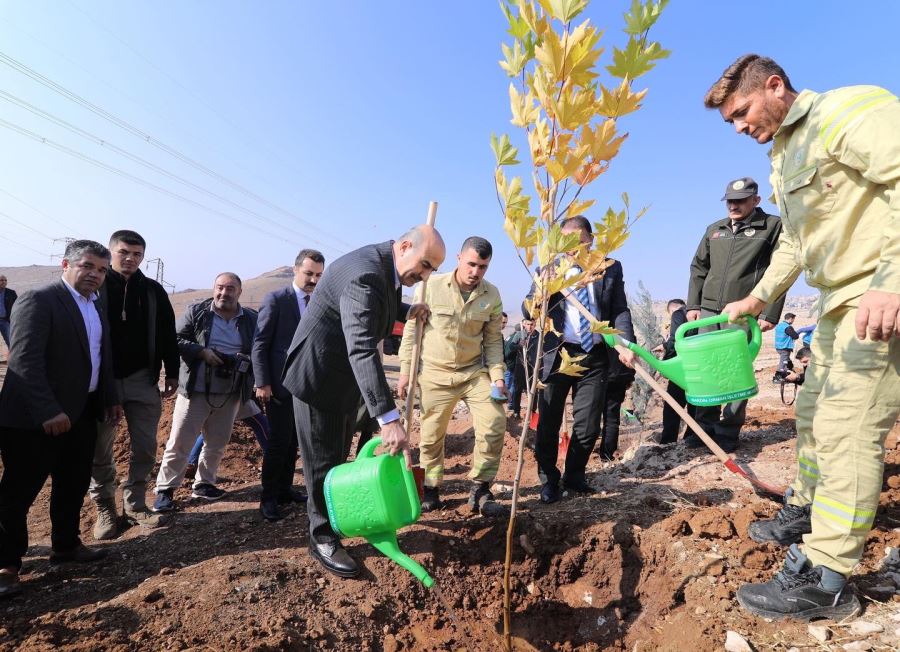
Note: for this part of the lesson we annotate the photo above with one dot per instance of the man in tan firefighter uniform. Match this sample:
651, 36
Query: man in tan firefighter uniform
835, 173
461, 360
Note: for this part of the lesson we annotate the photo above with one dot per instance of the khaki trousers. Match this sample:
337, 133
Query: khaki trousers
845, 409
215, 417
143, 406
439, 395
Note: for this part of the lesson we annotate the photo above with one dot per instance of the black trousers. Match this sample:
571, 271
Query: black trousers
671, 420
324, 439
280, 458
612, 414
588, 395
30, 456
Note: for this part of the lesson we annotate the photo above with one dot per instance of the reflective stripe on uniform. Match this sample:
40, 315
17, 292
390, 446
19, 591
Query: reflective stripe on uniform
808, 468
848, 517
849, 110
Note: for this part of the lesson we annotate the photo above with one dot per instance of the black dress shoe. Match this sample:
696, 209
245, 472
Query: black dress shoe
80, 555
550, 493
293, 496
270, 511
579, 486
9, 585
334, 558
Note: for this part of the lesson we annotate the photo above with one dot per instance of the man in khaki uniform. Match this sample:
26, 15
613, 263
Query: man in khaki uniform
461, 360
835, 172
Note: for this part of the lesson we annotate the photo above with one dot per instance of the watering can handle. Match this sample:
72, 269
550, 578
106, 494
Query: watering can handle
409, 479
755, 333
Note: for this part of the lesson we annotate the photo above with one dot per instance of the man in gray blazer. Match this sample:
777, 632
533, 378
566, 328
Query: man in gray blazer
58, 384
279, 314
334, 363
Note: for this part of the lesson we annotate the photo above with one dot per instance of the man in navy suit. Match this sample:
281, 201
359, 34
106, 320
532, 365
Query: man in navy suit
279, 315
606, 300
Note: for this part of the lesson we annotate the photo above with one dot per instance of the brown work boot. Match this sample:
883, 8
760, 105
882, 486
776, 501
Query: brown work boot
107, 524
144, 517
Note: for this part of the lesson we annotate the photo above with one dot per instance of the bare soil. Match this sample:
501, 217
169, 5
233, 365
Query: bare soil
650, 562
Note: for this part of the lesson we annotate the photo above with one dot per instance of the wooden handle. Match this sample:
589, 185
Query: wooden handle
420, 333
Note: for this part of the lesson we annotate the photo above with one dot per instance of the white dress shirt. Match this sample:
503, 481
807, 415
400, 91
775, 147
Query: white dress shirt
94, 328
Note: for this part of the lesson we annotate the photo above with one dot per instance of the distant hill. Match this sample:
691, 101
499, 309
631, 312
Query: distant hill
31, 276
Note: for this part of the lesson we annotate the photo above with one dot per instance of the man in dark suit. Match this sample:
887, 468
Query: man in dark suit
333, 363
58, 384
279, 315
605, 299
7, 299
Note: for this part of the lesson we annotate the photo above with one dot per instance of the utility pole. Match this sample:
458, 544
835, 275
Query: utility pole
67, 240
160, 271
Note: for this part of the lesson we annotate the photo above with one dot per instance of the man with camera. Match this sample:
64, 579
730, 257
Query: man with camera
215, 338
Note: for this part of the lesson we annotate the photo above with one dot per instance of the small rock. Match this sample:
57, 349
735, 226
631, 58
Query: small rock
857, 646
320, 581
526, 544
531, 588
700, 610
819, 632
864, 628
734, 642
896, 617
793, 649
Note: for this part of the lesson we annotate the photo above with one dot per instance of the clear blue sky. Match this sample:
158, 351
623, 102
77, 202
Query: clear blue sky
352, 116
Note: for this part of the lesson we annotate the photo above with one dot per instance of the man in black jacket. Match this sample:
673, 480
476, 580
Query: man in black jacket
606, 300
142, 331
215, 338
58, 385
279, 314
333, 363
732, 257
671, 420
7, 299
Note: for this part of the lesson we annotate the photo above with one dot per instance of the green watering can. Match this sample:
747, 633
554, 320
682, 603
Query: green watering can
373, 497
712, 368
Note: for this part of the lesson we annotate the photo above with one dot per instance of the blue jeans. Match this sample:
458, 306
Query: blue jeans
510, 379
4, 331
258, 423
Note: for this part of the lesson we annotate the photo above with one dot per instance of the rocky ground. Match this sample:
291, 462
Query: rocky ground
650, 562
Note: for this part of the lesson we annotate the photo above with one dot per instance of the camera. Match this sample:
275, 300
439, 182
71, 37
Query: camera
232, 365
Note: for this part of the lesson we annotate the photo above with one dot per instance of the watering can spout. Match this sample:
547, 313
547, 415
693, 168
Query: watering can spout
671, 368
386, 544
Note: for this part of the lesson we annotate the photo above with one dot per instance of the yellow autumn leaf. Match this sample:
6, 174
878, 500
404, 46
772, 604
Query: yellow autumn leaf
602, 141
582, 54
619, 101
524, 109
573, 108
603, 328
514, 58
578, 207
539, 142
569, 364
521, 230
550, 54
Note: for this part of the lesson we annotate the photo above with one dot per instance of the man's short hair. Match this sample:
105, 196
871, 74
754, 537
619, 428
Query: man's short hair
577, 221
481, 246
77, 249
128, 237
312, 254
804, 352
789, 315
232, 275
747, 74
675, 302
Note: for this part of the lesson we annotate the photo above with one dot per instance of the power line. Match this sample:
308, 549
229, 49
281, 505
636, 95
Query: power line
143, 135
209, 107
141, 161
135, 179
15, 242
37, 210
30, 228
